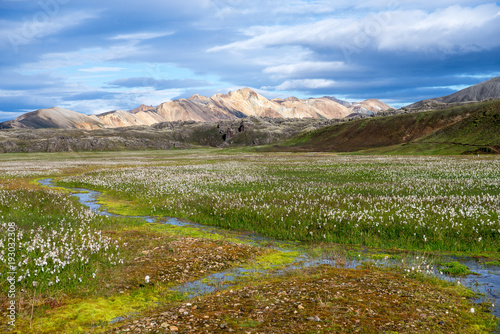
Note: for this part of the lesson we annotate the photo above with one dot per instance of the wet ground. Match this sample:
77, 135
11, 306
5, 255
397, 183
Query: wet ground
485, 281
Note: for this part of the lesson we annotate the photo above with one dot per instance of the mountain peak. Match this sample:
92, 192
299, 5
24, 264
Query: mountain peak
245, 93
142, 107
246, 90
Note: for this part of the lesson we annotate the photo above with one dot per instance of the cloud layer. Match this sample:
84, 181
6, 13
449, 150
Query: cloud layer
95, 56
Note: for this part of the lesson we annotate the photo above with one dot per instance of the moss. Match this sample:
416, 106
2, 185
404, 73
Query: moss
492, 263
383, 256
120, 206
194, 232
81, 314
273, 259
455, 269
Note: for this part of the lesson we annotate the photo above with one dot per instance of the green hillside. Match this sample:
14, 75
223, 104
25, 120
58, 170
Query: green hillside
473, 128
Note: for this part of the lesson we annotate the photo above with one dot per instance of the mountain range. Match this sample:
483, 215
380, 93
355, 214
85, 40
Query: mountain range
453, 124
234, 105
486, 90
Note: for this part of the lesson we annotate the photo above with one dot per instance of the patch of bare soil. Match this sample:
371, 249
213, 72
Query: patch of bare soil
319, 300
168, 260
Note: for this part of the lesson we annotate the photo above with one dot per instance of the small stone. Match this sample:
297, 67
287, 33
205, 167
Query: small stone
315, 318
300, 307
165, 325
173, 328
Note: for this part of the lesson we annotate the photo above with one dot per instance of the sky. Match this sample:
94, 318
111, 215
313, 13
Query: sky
95, 56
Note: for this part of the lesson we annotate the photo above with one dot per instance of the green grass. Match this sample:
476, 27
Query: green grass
412, 203
455, 269
383, 202
492, 263
45, 220
93, 287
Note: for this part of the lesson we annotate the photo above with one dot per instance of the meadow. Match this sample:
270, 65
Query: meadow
424, 203
77, 270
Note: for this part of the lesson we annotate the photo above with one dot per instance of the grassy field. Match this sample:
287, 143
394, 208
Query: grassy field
76, 270
428, 204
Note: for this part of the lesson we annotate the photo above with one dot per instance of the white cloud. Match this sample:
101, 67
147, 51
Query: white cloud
261, 37
306, 84
143, 35
51, 61
126, 100
449, 30
306, 68
97, 69
39, 25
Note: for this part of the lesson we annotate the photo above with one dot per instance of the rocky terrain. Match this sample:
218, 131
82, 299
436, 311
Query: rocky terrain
250, 131
234, 105
486, 90
327, 301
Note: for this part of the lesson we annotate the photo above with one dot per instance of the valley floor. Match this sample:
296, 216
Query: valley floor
301, 243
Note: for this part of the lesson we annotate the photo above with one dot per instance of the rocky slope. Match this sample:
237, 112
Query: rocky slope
486, 90
234, 105
250, 131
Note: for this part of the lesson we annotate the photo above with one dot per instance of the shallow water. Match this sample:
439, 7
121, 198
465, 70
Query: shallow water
486, 283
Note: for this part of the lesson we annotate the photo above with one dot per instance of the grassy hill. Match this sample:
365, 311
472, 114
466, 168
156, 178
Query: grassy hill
473, 128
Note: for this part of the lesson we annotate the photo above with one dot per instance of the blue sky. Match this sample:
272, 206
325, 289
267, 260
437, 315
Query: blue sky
94, 56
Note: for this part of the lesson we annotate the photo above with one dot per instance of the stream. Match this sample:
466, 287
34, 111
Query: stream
485, 281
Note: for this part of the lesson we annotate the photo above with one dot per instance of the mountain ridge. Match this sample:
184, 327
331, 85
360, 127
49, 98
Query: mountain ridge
465, 129
234, 105
489, 89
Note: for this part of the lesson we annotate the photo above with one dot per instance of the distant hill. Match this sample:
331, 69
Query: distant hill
369, 107
234, 105
53, 118
486, 90
457, 130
